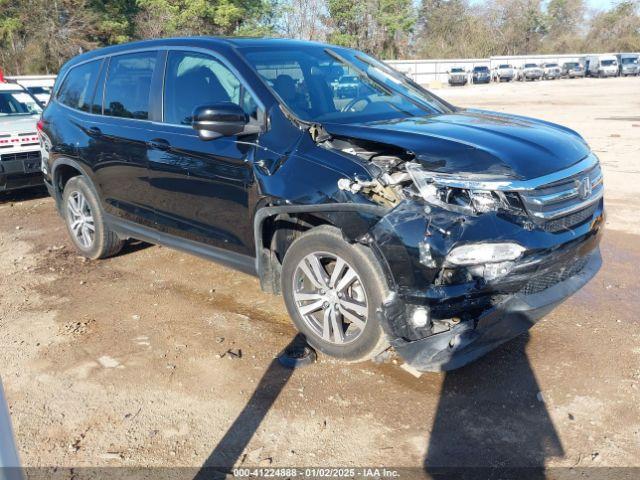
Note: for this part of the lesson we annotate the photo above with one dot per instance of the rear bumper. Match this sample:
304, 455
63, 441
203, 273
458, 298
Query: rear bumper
513, 316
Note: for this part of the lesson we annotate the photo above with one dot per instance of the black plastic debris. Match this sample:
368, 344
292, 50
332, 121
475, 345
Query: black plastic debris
297, 354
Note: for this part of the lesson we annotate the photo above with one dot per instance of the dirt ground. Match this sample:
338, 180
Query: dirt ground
158, 358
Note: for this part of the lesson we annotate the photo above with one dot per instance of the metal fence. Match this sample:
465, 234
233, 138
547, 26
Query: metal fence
428, 71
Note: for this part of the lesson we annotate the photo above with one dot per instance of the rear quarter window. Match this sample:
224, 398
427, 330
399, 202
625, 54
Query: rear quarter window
78, 87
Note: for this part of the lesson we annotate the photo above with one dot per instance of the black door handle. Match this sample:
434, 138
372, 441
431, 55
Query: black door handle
95, 131
159, 144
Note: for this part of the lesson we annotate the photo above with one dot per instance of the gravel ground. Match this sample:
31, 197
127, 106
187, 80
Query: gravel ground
158, 358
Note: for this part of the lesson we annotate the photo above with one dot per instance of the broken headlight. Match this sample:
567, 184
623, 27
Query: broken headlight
467, 199
489, 261
477, 253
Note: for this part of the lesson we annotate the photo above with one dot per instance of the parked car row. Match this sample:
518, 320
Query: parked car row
602, 66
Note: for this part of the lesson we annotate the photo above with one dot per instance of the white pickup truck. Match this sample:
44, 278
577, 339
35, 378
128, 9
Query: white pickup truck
530, 71
19, 142
504, 73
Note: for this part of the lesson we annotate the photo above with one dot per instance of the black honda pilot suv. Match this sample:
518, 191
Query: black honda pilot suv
386, 217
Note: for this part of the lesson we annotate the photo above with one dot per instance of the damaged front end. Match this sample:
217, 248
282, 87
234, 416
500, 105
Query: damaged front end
475, 260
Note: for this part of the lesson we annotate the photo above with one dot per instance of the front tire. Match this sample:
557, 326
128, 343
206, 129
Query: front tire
85, 221
332, 290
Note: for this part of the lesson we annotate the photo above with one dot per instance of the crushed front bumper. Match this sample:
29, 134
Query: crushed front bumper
511, 317
471, 314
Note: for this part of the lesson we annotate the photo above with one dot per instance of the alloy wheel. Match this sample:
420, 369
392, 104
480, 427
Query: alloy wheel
80, 219
330, 297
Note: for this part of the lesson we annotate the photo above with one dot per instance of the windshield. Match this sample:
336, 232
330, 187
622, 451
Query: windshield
480, 69
457, 70
530, 65
570, 65
551, 65
608, 63
18, 102
629, 60
311, 80
504, 66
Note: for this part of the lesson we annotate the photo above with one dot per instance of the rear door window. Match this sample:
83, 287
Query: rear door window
128, 85
77, 90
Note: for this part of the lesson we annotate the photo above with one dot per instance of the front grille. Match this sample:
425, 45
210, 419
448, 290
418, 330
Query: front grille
566, 202
569, 221
549, 279
8, 157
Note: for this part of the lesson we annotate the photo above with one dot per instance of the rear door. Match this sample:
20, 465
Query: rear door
201, 189
121, 135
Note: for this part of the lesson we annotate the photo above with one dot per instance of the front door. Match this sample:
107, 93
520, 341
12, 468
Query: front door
201, 189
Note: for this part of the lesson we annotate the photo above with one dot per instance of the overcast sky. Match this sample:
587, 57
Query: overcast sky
602, 4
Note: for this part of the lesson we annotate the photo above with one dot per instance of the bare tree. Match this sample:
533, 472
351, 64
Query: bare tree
304, 19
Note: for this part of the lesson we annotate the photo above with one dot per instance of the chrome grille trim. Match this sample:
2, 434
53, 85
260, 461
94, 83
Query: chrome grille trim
560, 212
563, 197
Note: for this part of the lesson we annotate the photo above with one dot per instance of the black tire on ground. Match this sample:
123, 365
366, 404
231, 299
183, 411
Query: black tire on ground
372, 340
105, 242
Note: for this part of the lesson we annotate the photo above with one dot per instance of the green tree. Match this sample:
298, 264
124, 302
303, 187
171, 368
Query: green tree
564, 26
616, 30
347, 22
197, 17
38, 36
395, 20
380, 27
453, 28
115, 20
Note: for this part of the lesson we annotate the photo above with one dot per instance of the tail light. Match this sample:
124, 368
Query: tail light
40, 125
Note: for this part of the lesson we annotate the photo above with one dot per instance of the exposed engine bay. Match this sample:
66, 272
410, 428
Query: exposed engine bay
397, 175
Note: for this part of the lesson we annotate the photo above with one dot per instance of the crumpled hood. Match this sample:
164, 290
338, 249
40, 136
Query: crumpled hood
477, 142
18, 124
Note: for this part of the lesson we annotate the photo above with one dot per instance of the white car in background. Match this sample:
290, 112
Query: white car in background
552, 71
504, 73
530, 71
19, 142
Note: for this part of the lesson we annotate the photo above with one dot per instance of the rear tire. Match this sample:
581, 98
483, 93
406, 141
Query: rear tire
85, 221
342, 321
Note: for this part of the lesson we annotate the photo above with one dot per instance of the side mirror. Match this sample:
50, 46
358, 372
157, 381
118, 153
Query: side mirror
219, 120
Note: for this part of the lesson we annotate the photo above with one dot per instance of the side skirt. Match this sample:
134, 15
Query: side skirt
127, 229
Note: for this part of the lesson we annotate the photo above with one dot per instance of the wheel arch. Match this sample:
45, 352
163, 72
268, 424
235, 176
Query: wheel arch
276, 227
63, 170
